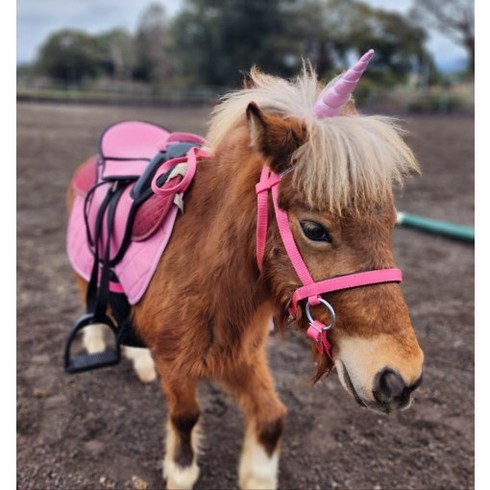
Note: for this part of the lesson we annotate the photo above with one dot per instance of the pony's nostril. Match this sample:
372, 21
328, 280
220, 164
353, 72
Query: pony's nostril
389, 386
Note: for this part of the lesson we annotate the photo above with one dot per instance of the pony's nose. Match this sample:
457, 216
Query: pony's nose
391, 391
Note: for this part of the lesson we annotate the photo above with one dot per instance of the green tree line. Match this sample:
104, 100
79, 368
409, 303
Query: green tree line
213, 43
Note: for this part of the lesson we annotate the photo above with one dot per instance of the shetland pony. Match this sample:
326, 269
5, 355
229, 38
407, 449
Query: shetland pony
232, 266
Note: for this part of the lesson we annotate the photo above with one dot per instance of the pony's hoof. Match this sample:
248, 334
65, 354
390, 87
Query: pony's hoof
142, 363
258, 483
93, 339
146, 373
180, 478
93, 346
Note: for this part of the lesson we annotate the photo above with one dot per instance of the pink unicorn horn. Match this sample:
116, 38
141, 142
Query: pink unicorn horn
333, 99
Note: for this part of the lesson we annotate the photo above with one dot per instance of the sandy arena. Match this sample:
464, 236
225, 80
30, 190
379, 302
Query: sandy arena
104, 429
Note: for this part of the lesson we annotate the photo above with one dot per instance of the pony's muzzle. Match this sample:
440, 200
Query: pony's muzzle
390, 390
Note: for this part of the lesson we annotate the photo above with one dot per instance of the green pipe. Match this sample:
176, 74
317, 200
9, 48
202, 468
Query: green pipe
458, 232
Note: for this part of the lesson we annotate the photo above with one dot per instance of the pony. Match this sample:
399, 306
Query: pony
287, 221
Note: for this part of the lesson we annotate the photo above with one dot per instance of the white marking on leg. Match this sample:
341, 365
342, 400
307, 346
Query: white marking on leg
178, 477
93, 338
142, 363
258, 470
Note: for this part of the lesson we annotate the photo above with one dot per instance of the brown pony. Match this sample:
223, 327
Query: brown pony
208, 310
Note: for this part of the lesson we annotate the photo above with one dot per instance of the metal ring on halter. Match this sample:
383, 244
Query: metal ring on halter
330, 310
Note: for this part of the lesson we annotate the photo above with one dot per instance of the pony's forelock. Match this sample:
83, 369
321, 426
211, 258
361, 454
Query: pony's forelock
345, 161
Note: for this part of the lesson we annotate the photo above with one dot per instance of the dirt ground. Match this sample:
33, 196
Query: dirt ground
104, 429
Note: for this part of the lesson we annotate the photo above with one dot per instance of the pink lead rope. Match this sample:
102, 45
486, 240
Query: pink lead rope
310, 290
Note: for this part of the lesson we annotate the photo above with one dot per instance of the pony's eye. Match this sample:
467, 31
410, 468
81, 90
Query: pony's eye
315, 231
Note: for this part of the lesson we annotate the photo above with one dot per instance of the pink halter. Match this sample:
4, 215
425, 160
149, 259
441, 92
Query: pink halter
310, 290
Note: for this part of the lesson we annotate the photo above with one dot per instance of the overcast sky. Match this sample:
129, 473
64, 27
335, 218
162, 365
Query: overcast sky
36, 19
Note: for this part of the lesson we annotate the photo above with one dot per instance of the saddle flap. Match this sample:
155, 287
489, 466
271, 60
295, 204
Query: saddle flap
152, 212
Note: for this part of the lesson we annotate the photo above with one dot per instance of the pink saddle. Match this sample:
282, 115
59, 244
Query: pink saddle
127, 199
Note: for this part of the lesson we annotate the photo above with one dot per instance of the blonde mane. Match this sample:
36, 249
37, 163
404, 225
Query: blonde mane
346, 160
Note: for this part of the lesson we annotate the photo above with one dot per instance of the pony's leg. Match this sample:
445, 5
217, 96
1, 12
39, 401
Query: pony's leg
142, 363
180, 467
253, 387
92, 335
93, 338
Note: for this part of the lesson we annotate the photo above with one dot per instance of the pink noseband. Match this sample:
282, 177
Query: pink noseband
310, 290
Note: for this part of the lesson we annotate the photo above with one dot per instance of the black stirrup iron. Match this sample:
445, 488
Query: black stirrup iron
86, 362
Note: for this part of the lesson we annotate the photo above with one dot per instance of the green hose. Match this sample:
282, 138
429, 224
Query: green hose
451, 230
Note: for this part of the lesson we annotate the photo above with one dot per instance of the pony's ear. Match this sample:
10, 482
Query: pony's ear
275, 137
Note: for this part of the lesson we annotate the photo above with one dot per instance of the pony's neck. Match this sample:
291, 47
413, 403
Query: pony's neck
224, 203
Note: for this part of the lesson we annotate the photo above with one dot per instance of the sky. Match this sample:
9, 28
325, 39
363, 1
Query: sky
37, 19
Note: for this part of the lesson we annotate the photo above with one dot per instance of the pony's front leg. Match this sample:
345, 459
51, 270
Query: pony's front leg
180, 463
264, 413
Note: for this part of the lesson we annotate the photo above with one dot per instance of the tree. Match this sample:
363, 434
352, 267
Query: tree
319, 35
340, 30
215, 42
69, 56
117, 53
454, 18
153, 62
